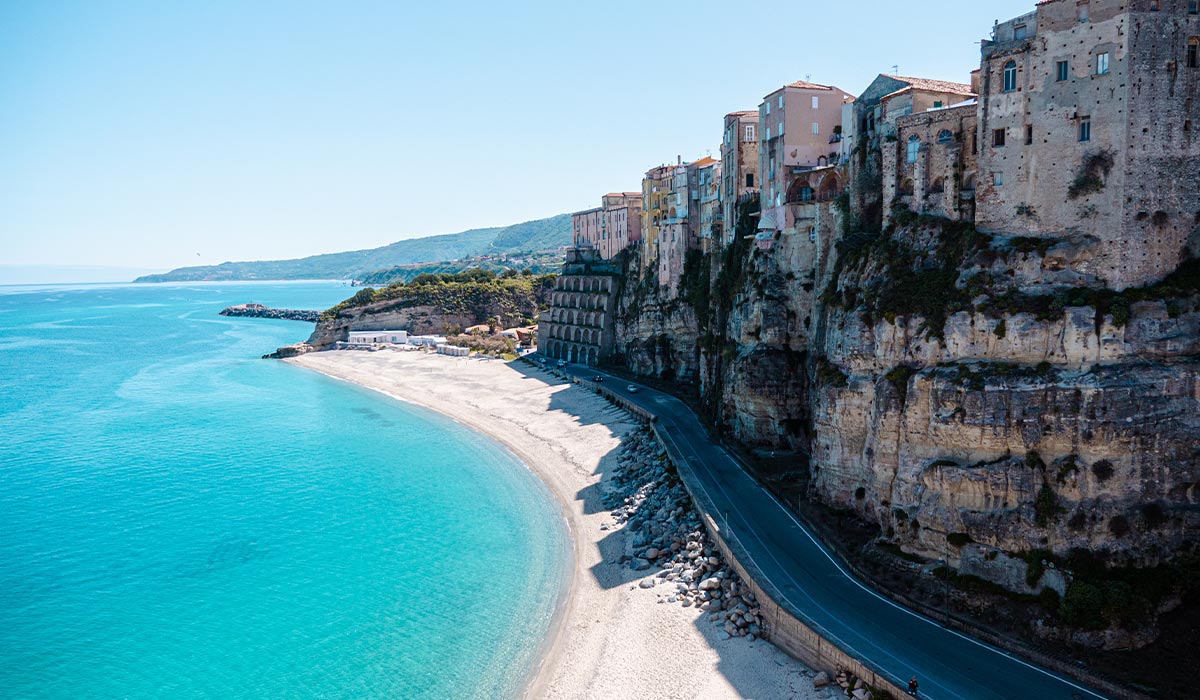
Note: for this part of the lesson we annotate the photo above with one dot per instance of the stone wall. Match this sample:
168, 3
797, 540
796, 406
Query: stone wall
941, 180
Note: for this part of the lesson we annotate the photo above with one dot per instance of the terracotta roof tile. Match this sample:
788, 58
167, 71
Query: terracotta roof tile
933, 85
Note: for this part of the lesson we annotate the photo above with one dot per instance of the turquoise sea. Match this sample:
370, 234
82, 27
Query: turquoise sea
181, 519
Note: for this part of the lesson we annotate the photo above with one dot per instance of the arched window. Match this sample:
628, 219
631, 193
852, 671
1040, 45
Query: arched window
938, 186
914, 147
906, 187
1010, 76
945, 136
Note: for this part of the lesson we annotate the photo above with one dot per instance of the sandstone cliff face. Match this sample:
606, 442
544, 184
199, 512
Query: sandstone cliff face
945, 386
418, 320
656, 334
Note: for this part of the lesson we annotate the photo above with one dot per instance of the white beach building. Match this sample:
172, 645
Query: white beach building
453, 350
377, 338
429, 340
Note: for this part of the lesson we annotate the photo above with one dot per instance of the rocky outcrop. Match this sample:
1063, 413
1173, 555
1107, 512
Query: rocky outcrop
260, 311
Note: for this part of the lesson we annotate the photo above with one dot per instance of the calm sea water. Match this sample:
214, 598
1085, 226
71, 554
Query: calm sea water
180, 519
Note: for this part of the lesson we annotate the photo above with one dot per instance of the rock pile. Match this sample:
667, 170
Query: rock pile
260, 311
648, 499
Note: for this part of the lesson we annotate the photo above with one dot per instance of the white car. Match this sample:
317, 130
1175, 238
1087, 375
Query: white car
631, 389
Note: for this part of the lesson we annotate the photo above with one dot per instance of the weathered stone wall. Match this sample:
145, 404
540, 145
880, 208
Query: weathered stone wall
945, 165
1122, 189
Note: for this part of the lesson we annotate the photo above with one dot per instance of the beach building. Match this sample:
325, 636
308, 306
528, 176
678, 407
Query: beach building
453, 350
363, 338
579, 325
429, 341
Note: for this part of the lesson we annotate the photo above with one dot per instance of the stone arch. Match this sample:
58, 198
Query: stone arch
822, 161
968, 183
592, 357
577, 333
800, 191
938, 186
906, 187
574, 353
829, 187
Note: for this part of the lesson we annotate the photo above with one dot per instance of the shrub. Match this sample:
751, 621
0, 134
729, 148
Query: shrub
1153, 515
1092, 172
1083, 606
1001, 329
1103, 469
829, 374
1119, 526
1033, 460
898, 377
1045, 506
1050, 600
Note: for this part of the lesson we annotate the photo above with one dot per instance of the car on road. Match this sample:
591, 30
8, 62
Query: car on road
631, 389
560, 363
597, 378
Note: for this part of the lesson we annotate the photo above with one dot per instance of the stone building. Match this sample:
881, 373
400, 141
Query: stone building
801, 125
578, 327
1086, 132
739, 166
930, 166
706, 193
676, 234
869, 123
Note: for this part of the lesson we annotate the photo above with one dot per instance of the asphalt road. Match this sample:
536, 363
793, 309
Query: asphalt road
805, 577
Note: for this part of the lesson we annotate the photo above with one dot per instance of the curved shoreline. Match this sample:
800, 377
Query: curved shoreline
608, 637
534, 684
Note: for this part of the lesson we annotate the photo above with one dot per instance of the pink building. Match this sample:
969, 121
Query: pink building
800, 128
585, 226
620, 222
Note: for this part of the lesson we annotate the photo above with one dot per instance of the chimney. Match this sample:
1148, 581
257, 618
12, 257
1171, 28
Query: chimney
678, 160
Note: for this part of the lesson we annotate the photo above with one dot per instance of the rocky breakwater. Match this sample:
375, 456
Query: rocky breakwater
260, 311
668, 542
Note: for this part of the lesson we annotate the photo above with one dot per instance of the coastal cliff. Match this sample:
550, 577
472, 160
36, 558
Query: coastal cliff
433, 304
981, 401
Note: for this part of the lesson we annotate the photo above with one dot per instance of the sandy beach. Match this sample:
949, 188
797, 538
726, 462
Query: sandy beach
611, 638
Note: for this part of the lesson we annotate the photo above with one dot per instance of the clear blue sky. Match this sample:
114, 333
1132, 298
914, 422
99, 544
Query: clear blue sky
142, 133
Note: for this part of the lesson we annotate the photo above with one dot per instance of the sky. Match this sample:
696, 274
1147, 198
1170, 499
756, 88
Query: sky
153, 135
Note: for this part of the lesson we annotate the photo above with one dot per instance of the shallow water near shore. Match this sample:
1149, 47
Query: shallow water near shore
181, 519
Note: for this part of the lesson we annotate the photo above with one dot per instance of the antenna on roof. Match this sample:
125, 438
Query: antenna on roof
896, 69
808, 77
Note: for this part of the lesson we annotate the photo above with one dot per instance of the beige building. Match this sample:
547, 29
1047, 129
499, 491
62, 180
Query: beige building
930, 166
656, 188
800, 125
739, 166
705, 190
579, 325
1087, 118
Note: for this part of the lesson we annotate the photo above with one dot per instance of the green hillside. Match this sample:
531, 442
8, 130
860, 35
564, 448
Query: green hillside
527, 237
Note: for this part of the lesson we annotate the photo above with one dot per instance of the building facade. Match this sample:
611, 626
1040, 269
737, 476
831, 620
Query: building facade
621, 222
578, 327
656, 188
585, 228
1087, 133
800, 127
706, 194
930, 167
739, 166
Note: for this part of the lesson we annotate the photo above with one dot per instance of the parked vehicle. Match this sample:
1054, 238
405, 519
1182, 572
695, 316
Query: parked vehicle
631, 389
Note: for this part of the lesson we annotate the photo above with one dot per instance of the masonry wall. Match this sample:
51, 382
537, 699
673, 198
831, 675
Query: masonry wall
1138, 152
942, 179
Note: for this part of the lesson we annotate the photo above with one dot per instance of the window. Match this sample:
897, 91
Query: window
768, 106
1010, 76
914, 147
1028, 134
1085, 129
781, 101
749, 179
1081, 11
780, 132
1020, 31
944, 136
1154, 5
1064, 71
816, 128
998, 179
997, 137
768, 133
816, 102
1101, 63
1193, 54
749, 132
937, 104
1193, 7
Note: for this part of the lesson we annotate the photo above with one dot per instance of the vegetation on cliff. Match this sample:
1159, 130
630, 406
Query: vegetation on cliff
511, 297
534, 263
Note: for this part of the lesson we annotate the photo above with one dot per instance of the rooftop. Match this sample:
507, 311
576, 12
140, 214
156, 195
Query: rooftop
933, 85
